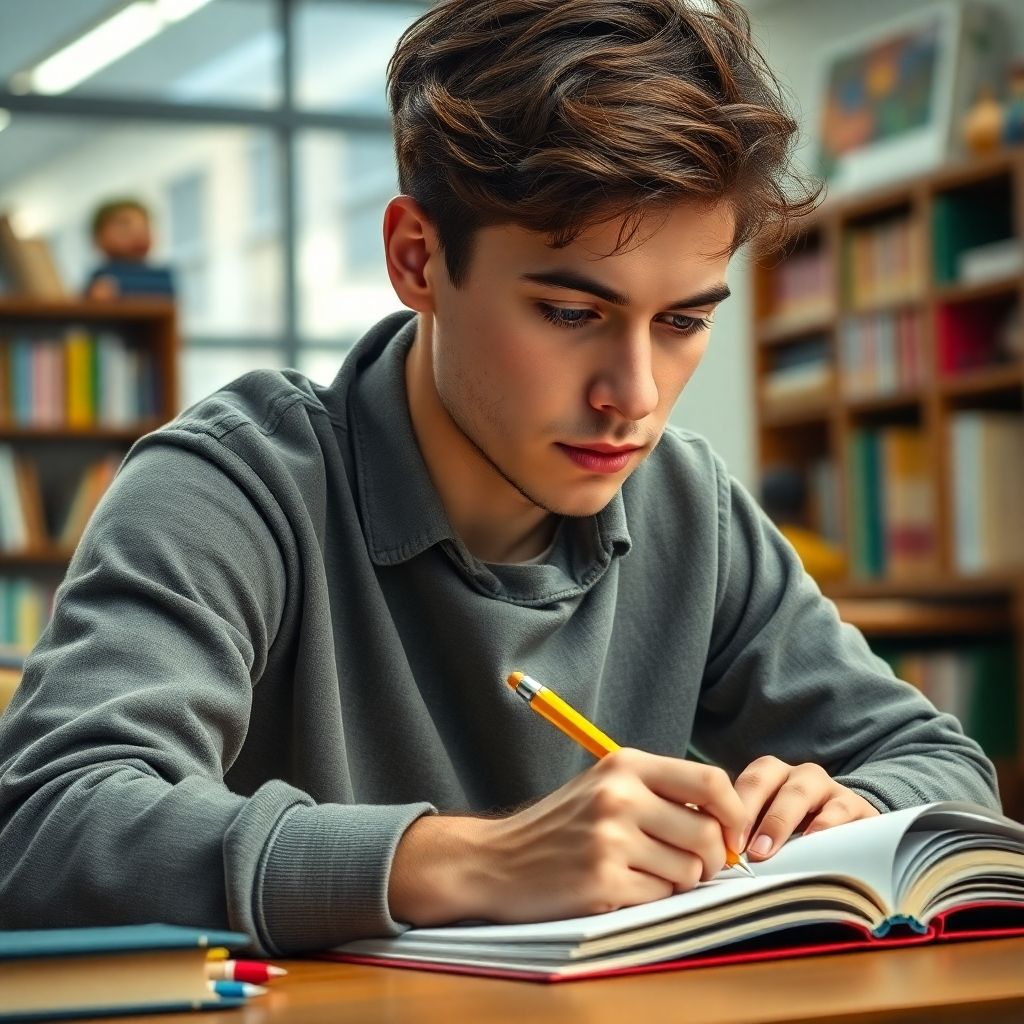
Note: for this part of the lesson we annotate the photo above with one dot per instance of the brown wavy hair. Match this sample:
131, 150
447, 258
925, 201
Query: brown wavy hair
556, 115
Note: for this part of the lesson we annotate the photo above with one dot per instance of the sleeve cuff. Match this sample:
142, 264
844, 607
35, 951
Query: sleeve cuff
324, 878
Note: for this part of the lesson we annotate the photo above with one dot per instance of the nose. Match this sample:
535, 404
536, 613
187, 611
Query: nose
625, 384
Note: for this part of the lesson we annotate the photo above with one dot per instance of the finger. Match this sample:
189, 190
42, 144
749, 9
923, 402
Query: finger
806, 790
843, 807
757, 785
681, 868
687, 831
684, 782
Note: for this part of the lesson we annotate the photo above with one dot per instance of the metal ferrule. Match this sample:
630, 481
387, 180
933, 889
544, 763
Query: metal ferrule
528, 688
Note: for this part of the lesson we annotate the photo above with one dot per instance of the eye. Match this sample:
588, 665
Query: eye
687, 325
562, 317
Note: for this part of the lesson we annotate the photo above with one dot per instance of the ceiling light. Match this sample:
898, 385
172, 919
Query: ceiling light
107, 42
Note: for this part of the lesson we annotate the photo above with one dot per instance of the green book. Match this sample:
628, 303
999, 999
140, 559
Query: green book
992, 711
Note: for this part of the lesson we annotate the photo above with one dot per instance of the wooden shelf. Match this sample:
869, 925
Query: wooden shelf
986, 379
90, 310
781, 329
105, 434
895, 617
949, 294
825, 443
882, 403
886, 305
990, 585
52, 555
59, 478
810, 413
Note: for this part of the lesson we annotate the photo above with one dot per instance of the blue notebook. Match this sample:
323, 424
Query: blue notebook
62, 973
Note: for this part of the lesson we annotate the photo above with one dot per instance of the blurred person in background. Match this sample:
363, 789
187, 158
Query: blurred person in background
122, 231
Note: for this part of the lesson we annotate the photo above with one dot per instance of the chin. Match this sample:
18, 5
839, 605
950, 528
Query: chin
579, 506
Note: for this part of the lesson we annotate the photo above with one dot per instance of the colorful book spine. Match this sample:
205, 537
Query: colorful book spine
25, 608
883, 262
976, 683
988, 490
78, 380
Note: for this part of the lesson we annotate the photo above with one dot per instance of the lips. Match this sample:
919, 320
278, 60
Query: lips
600, 458
606, 449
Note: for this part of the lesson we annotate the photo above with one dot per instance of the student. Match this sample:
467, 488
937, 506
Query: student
122, 231
273, 692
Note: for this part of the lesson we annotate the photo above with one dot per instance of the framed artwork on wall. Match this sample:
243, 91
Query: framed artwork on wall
891, 97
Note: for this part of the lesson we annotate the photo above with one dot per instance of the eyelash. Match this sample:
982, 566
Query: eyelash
694, 325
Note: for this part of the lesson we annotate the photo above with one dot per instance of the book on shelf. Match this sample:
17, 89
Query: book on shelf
973, 335
908, 503
800, 372
966, 223
993, 261
891, 501
976, 683
880, 353
95, 479
938, 872
28, 264
25, 607
801, 290
883, 262
988, 489
10, 678
823, 489
98, 972
79, 379
22, 516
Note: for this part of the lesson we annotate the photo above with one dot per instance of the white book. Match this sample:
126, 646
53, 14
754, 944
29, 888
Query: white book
930, 872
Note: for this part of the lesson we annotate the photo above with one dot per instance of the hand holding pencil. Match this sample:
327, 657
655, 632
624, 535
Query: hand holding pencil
563, 716
616, 835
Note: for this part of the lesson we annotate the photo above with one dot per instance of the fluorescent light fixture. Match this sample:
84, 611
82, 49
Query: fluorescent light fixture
114, 37
175, 10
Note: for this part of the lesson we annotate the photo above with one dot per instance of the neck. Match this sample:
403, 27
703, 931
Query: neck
493, 520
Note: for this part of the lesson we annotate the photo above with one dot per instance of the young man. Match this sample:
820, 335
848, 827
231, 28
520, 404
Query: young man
282, 644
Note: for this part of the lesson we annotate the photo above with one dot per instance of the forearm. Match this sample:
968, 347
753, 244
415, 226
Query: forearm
926, 761
440, 874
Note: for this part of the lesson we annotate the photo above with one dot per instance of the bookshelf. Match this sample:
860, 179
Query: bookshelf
889, 370
80, 381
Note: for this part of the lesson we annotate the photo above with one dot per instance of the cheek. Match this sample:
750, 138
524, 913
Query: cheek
676, 369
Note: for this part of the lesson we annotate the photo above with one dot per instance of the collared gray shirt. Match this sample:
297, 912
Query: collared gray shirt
271, 654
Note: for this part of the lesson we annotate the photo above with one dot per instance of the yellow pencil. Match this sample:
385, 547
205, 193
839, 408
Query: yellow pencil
217, 953
563, 716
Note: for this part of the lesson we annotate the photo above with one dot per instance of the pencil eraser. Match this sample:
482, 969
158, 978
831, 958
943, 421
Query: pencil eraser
515, 679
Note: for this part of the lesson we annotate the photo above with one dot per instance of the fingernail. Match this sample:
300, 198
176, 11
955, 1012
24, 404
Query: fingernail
762, 846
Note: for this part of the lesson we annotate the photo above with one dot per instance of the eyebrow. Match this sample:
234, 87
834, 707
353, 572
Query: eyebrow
581, 283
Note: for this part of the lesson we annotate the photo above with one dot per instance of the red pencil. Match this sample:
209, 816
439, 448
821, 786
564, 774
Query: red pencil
253, 971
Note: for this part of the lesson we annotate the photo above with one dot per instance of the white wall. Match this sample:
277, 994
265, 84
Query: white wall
791, 33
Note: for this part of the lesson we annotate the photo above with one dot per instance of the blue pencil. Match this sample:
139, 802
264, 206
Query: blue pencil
235, 989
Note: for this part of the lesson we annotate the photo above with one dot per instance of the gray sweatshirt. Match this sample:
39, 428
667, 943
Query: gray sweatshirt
271, 654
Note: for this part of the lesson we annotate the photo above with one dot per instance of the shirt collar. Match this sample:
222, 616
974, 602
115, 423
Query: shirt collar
402, 512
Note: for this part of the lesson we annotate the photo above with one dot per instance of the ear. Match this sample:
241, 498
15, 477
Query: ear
412, 253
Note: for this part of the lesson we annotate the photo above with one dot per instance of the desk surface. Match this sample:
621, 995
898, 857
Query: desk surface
936, 984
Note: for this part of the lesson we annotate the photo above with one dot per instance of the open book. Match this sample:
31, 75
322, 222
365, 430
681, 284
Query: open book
940, 871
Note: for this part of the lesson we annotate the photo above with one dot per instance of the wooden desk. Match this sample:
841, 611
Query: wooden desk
970, 982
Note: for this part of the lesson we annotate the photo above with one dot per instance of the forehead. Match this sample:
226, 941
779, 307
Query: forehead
126, 213
685, 237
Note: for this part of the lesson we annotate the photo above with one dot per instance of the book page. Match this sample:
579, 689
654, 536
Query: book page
864, 850
721, 890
